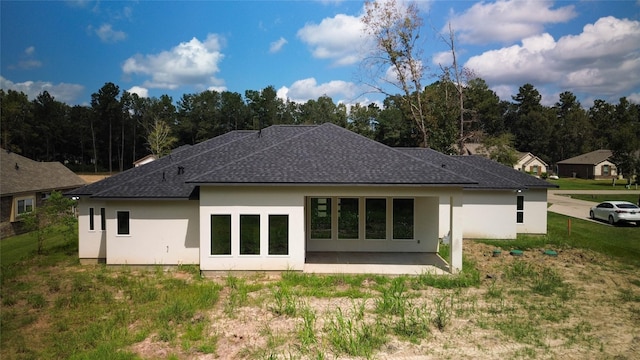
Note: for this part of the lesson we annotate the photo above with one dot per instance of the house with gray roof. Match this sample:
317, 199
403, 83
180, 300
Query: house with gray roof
25, 184
592, 165
273, 198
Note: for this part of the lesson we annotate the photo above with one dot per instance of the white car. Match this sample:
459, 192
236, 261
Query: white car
616, 211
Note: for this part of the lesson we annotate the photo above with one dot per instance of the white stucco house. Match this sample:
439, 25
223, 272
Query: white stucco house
265, 200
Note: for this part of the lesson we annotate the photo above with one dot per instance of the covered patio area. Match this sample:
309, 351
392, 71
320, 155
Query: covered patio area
384, 263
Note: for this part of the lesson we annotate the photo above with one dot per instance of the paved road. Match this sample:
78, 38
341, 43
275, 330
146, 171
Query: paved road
562, 204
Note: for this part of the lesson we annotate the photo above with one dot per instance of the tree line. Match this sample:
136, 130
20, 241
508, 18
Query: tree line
119, 127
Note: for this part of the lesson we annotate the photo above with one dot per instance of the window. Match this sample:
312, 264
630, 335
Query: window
321, 218
520, 210
535, 169
103, 219
123, 222
348, 218
278, 234
606, 170
403, 218
91, 220
376, 218
24, 206
220, 234
249, 234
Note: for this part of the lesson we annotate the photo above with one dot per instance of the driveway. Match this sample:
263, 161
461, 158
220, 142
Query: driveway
564, 205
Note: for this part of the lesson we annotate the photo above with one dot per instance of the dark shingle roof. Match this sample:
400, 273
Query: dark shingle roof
324, 154
489, 174
485, 178
590, 158
524, 180
328, 154
20, 174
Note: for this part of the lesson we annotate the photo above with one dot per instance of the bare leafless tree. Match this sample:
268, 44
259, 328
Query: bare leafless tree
395, 58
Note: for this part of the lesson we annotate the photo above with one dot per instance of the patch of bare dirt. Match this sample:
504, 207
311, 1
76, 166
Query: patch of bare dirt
598, 316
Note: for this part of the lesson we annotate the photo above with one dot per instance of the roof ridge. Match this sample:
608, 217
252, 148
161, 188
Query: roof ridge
312, 127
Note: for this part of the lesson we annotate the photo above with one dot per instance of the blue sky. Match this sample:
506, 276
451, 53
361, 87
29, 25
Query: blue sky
306, 49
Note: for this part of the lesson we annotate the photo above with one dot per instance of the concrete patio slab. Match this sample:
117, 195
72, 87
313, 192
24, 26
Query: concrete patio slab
375, 263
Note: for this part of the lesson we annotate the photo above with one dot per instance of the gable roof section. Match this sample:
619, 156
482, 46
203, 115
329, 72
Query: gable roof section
531, 158
590, 158
21, 175
281, 154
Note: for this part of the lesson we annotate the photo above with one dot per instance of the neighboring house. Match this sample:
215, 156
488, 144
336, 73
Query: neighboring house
592, 165
526, 161
264, 200
25, 184
531, 164
503, 202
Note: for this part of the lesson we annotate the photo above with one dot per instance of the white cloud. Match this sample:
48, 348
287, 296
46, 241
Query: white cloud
107, 34
306, 89
507, 20
189, 63
338, 38
142, 92
603, 60
27, 60
63, 92
277, 45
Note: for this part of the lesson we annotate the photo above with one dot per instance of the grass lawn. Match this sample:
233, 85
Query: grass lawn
620, 242
597, 198
530, 307
582, 184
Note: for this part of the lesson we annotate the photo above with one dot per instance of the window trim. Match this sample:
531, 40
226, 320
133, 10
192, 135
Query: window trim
103, 219
386, 216
128, 212
519, 209
240, 253
331, 213
288, 237
17, 215
231, 228
92, 223
339, 200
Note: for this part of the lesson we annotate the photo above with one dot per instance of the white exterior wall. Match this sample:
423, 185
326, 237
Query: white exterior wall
535, 212
489, 214
161, 233
263, 201
92, 244
291, 201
